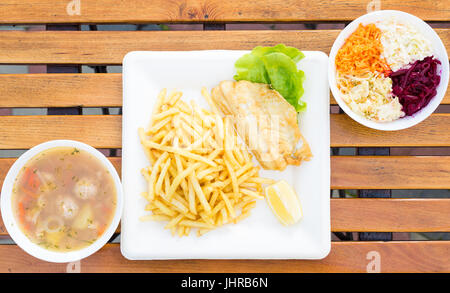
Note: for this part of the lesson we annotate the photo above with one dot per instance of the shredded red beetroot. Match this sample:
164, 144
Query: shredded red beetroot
416, 86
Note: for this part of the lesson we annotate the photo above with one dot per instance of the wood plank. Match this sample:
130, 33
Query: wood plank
390, 172
390, 215
61, 90
395, 257
104, 131
159, 11
70, 90
109, 47
381, 215
23, 132
433, 131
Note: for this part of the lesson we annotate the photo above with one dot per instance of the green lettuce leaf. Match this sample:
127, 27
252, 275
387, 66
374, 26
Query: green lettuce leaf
250, 67
294, 53
285, 77
275, 66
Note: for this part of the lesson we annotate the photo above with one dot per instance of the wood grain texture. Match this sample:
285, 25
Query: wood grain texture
395, 257
23, 132
104, 131
390, 172
390, 215
159, 11
70, 90
109, 47
433, 131
61, 90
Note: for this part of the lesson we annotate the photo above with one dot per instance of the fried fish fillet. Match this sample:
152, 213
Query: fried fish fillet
265, 121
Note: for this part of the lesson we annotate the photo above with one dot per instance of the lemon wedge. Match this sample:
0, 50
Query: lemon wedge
284, 203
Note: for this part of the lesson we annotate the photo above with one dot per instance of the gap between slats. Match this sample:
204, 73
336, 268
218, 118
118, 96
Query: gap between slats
395, 257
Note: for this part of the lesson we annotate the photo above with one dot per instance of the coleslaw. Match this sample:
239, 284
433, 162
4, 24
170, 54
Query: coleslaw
370, 96
402, 44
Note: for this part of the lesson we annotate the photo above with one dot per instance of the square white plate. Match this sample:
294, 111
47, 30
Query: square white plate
259, 236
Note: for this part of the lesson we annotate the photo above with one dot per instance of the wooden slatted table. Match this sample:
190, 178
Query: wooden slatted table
74, 48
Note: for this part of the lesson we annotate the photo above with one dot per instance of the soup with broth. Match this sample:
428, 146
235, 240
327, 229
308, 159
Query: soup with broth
64, 199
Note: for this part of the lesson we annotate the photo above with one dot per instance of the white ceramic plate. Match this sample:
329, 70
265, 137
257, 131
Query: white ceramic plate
23, 241
145, 74
439, 52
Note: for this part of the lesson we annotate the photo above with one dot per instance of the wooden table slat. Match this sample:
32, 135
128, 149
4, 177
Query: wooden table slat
433, 132
104, 131
70, 90
109, 47
390, 215
390, 172
350, 257
160, 11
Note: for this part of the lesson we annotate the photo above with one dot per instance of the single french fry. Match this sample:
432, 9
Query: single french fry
233, 177
201, 232
198, 190
251, 193
162, 175
192, 198
174, 98
241, 217
249, 206
152, 179
174, 221
213, 199
179, 206
208, 98
228, 204
165, 209
159, 125
195, 224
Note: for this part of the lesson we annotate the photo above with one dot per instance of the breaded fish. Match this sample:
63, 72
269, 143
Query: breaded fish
265, 121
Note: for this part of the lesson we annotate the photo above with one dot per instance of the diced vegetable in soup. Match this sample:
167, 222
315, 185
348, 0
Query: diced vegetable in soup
64, 199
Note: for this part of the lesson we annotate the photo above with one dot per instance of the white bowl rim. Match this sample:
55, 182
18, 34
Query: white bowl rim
405, 122
22, 240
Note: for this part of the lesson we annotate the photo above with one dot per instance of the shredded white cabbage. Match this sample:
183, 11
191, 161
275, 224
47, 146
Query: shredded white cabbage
370, 96
402, 44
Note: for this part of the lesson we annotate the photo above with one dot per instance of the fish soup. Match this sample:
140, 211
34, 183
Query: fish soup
64, 199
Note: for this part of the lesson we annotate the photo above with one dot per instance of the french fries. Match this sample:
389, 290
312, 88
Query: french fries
200, 176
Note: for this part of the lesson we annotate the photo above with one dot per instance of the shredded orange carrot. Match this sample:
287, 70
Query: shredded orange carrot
361, 52
22, 218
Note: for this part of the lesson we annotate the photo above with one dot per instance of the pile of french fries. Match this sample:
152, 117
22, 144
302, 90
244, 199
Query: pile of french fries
200, 174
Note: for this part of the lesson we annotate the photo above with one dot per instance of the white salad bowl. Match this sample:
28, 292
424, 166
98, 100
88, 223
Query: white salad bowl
22, 240
439, 52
